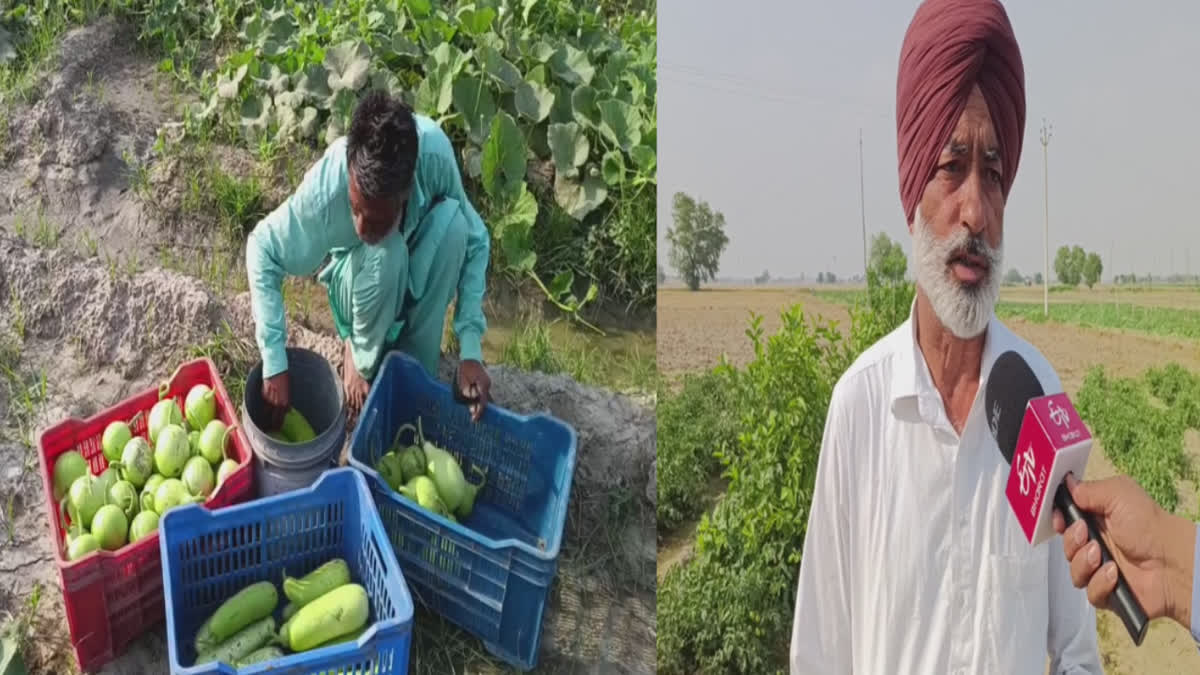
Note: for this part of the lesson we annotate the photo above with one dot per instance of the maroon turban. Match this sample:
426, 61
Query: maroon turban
950, 46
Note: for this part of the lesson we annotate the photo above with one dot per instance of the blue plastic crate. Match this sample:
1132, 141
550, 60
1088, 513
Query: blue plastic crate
210, 555
491, 573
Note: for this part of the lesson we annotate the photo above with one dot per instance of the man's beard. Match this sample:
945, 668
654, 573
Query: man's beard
963, 308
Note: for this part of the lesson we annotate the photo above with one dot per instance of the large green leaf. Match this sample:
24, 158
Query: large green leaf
572, 66
401, 47
473, 100
620, 123
476, 22
504, 159
579, 199
256, 115
419, 8
568, 147
583, 104
561, 285
645, 157
526, 8
612, 167
500, 69
228, 85
562, 111
518, 250
274, 79
349, 65
436, 91
289, 99
387, 81
447, 56
312, 83
534, 101
543, 51
520, 216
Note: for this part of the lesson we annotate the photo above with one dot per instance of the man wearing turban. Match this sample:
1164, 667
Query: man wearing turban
912, 561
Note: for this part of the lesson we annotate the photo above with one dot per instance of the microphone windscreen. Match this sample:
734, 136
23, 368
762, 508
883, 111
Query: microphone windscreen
1010, 386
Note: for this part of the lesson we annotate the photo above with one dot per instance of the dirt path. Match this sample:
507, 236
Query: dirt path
695, 329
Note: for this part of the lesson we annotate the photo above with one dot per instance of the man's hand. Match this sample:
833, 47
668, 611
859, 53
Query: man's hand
276, 393
1152, 547
475, 386
356, 386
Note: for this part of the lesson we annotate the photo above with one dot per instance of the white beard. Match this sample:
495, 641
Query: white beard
964, 310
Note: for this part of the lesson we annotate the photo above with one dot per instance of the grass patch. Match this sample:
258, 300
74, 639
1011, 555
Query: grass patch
694, 426
234, 358
534, 346
26, 391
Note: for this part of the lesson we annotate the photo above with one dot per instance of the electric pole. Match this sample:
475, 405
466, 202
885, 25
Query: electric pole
1047, 131
862, 207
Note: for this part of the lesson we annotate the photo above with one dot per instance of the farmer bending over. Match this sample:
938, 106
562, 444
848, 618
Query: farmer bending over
386, 203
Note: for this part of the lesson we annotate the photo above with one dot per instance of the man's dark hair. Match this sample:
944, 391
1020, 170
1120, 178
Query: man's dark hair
381, 147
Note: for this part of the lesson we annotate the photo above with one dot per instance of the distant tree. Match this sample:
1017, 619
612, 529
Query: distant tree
1064, 267
1078, 260
820, 277
1037, 278
830, 278
1092, 269
762, 278
697, 240
1014, 276
887, 258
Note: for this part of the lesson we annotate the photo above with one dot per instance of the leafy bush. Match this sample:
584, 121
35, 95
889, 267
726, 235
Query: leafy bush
693, 425
729, 610
1142, 439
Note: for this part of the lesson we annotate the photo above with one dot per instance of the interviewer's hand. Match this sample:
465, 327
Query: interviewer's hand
276, 393
1145, 541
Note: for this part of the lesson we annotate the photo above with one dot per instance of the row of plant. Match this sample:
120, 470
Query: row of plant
564, 91
729, 608
1141, 423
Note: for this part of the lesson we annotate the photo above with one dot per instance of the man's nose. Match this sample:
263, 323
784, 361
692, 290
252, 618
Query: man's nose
972, 209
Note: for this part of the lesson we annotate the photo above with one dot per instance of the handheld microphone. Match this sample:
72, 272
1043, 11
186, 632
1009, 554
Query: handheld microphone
1042, 438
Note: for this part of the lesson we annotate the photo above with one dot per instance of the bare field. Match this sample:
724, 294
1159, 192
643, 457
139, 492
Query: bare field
696, 329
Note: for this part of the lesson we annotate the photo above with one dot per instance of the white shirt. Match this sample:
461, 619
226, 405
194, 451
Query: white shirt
913, 561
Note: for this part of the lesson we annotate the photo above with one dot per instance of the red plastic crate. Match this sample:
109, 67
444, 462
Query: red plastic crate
113, 597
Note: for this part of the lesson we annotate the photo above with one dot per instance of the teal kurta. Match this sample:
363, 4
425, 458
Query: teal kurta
391, 295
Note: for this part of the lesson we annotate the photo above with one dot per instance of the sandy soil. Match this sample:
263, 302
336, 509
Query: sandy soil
696, 329
94, 334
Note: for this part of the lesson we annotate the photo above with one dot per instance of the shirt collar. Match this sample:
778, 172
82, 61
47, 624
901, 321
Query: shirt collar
910, 376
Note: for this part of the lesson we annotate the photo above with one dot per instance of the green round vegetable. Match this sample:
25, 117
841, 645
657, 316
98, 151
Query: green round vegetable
109, 477
138, 461
201, 406
412, 463
144, 524
171, 493
163, 413
227, 467
198, 477
171, 451
109, 527
116, 435
69, 466
447, 474
85, 498
83, 545
213, 441
148, 489
194, 443
390, 470
123, 495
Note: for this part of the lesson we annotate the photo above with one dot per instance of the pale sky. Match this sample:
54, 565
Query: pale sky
761, 103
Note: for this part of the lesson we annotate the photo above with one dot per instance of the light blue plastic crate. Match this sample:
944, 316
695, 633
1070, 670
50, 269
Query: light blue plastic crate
210, 555
491, 573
